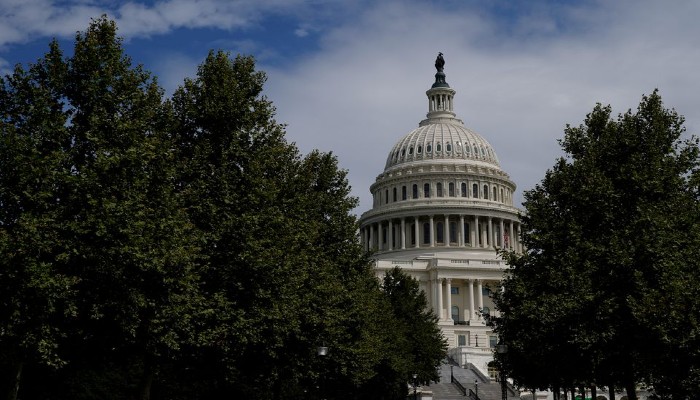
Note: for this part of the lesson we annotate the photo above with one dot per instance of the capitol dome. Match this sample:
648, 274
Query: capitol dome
447, 141
442, 208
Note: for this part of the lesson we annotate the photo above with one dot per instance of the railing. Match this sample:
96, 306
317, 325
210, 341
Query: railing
459, 386
473, 395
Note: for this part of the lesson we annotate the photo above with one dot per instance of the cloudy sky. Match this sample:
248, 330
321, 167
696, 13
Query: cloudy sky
350, 76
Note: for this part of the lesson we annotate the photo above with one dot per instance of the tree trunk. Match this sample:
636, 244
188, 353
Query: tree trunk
611, 388
631, 390
146, 379
13, 390
594, 392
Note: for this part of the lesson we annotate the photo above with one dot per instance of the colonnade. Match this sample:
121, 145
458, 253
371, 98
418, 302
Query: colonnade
441, 231
440, 295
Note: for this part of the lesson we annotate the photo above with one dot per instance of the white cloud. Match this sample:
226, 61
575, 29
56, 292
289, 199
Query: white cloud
365, 89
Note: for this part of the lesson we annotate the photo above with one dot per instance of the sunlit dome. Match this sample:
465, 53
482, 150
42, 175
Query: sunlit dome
441, 141
441, 136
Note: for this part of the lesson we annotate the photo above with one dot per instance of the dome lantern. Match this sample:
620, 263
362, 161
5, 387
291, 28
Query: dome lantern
440, 95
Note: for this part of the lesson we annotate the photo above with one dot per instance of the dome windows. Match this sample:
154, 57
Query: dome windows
410, 151
420, 149
428, 148
438, 147
448, 147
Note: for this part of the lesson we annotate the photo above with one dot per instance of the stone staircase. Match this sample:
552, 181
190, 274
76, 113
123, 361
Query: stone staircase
468, 377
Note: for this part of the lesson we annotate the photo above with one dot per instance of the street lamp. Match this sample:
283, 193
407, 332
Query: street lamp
415, 378
503, 349
322, 351
476, 388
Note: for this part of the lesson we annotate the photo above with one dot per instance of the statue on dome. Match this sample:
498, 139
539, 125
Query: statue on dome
439, 62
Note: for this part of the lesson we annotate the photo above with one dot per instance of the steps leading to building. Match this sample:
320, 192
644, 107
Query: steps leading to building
446, 390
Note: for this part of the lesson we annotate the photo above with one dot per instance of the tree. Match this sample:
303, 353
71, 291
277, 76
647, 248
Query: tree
111, 246
418, 339
37, 292
611, 235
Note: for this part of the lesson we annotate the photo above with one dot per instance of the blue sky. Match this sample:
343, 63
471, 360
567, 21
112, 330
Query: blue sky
350, 76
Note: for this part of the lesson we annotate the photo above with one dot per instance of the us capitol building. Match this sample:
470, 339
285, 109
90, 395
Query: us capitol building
441, 208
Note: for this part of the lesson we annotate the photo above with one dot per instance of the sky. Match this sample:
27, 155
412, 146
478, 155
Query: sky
349, 77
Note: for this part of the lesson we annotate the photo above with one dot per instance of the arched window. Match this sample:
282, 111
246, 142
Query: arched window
438, 147
451, 189
438, 188
475, 191
486, 192
426, 233
403, 153
503, 199
426, 190
448, 147
494, 194
455, 313
428, 148
464, 189
394, 190
420, 149
410, 150
403, 192
415, 191
440, 232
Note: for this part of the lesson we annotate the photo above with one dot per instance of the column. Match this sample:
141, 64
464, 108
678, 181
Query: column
503, 234
403, 233
390, 239
489, 226
485, 235
439, 296
461, 231
416, 229
446, 230
510, 235
371, 236
473, 232
380, 236
479, 295
470, 298
432, 232
448, 294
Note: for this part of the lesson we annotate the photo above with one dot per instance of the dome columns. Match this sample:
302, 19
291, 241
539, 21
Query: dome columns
441, 231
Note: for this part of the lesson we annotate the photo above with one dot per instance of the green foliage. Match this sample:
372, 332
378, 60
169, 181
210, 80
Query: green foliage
181, 248
601, 294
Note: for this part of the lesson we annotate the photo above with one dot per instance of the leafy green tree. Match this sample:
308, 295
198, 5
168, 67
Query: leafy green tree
92, 226
36, 291
418, 341
134, 257
611, 236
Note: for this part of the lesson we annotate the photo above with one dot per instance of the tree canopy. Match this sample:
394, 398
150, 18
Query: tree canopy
606, 290
180, 247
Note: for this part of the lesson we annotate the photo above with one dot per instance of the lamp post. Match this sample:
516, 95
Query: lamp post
476, 389
502, 349
322, 351
415, 395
